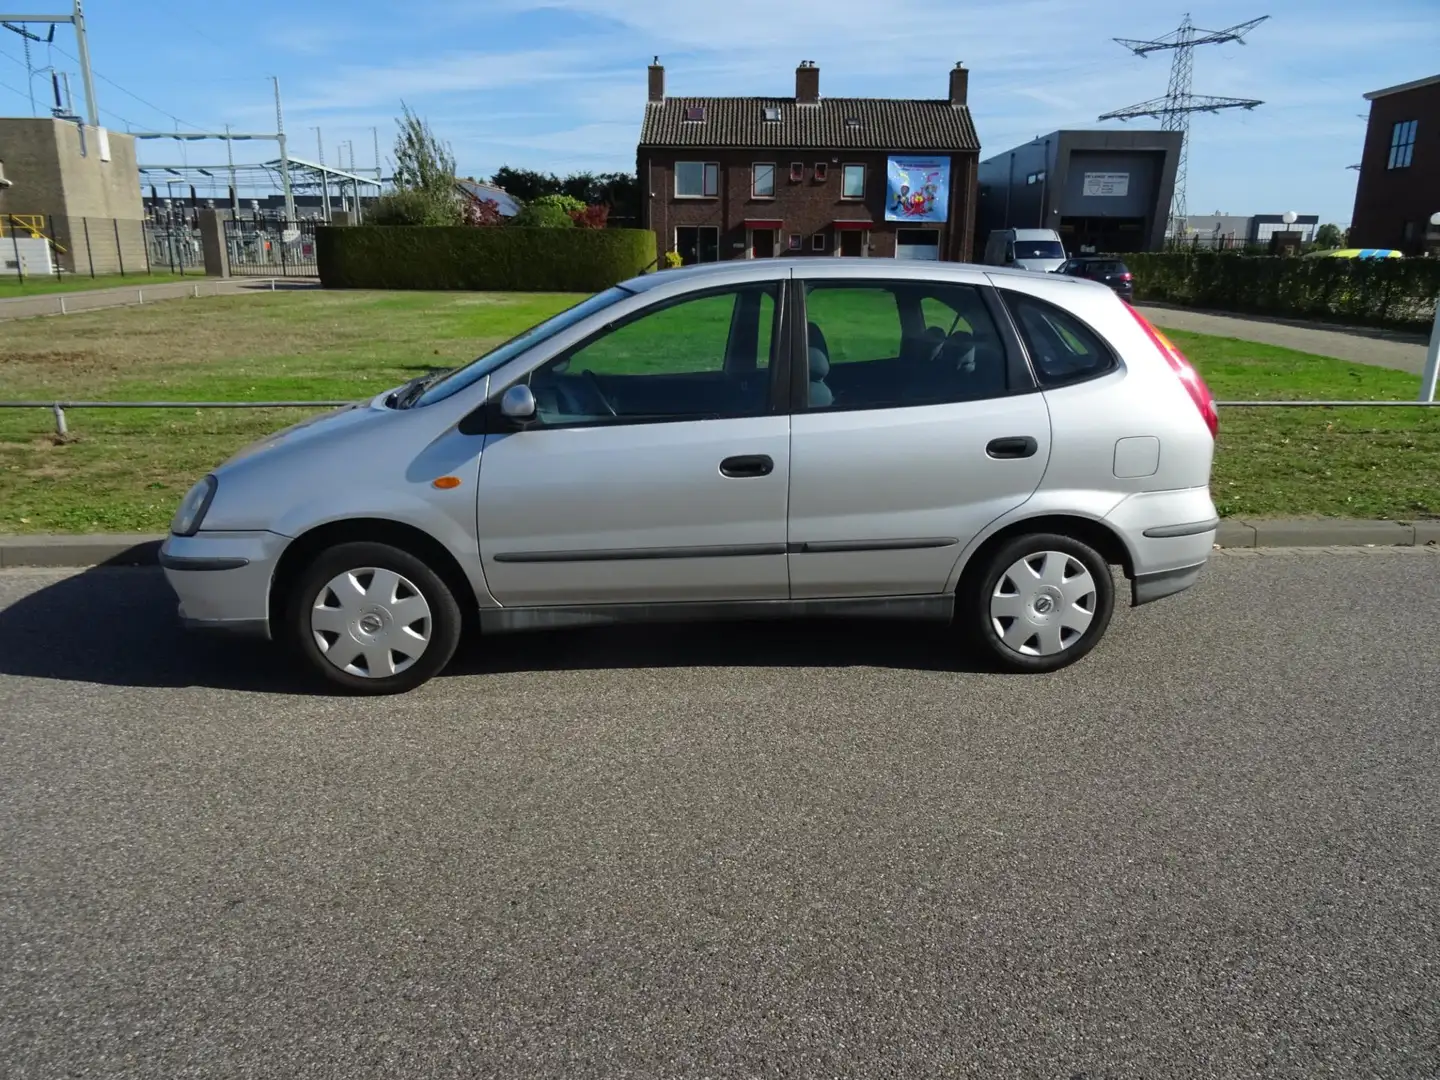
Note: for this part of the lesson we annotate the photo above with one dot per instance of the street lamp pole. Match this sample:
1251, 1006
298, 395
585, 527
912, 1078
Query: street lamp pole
1432, 355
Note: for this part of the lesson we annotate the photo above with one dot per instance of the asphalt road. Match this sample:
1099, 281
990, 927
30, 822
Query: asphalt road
1210, 850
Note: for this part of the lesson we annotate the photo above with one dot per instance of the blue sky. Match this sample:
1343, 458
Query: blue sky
560, 84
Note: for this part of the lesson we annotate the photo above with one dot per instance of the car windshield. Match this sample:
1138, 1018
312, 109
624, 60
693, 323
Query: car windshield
1099, 267
453, 382
1039, 249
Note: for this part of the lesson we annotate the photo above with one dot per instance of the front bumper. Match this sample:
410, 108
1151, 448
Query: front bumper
223, 579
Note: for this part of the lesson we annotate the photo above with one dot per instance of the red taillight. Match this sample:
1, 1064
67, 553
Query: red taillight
1127, 277
1188, 376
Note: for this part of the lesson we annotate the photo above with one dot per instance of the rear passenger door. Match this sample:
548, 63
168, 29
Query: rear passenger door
916, 424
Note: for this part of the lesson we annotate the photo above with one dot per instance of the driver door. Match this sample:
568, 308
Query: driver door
657, 468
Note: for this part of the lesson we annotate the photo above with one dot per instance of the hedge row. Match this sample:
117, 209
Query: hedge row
1394, 293
508, 260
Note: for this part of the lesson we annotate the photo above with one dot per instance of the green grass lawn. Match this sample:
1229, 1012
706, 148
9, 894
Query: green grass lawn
126, 470
1381, 463
42, 286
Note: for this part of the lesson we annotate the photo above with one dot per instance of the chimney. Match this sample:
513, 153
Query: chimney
657, 81
807, 83
959, 83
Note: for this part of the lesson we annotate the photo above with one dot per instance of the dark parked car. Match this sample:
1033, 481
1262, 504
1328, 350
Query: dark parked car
1112, 272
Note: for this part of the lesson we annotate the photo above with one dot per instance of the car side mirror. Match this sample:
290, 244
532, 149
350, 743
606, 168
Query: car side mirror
518, 403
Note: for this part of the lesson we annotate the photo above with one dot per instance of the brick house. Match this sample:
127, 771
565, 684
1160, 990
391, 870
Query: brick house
750, 177
1399, 184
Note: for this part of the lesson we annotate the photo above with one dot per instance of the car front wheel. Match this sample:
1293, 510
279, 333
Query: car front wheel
374, 619
1040, 603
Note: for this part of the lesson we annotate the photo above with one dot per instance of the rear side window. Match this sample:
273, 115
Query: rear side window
1062, 348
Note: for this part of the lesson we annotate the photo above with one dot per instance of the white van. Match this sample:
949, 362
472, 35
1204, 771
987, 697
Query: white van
1025, 249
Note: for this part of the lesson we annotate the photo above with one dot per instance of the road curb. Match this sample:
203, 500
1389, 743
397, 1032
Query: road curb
1325, 532
95, 550
140, 550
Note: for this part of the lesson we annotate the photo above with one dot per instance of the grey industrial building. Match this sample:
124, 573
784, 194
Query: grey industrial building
1100, 190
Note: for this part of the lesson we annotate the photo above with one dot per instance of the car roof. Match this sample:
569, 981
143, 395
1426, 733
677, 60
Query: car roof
830, 266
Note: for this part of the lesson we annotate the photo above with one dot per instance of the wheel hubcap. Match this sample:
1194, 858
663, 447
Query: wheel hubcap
1044, 603
371, 622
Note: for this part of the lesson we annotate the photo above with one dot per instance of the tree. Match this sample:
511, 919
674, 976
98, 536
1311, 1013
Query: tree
481, 212
1329, 236
619, 191
592, 217
424, 178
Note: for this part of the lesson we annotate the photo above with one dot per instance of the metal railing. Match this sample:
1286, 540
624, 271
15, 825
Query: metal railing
62, 427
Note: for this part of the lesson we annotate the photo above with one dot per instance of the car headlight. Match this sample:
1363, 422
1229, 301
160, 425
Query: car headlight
187, 519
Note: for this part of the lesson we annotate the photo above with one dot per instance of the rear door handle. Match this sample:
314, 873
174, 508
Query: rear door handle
747, 465
1014, 446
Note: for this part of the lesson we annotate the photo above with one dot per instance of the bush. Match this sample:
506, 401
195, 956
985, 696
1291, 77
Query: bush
592, 217
511, 259
415, 207
481, 213
1394, 293
538, 215
568, 203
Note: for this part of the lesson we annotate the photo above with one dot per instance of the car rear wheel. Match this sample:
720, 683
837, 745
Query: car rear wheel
1040, 603
374, 619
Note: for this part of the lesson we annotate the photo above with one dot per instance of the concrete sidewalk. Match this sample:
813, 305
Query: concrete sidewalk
1360, 345
143, 292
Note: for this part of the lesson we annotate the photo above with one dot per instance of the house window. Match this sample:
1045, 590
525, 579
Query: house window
797, 172
795, 242
821, 171
817, 242
1402, 144
697, 179
772, 114
762, 184
697, 243
695, 113
854, 182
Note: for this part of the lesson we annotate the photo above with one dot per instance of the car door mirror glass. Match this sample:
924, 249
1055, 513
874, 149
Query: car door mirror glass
518, 403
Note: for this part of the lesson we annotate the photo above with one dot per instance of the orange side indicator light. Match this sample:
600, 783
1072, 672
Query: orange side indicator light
445, 483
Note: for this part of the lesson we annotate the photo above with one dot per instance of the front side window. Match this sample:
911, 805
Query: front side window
699, 358
697, 179
1402, 144
458, 379
1062, 349
900, 346
853, 186
763, 184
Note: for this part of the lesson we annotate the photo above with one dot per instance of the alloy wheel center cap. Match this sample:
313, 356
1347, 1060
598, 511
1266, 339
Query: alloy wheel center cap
1045, 604
372, 621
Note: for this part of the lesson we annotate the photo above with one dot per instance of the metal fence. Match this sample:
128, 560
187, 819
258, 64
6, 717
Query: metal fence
266, 247
39, 246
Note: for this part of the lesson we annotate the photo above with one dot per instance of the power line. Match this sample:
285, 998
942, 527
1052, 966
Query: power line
131, 93
1176, 107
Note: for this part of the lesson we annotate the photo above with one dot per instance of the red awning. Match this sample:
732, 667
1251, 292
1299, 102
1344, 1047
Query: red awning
764, 223
850, 224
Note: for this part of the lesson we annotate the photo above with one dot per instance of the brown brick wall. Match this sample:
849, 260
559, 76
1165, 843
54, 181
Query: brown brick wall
807, 207
1386, 200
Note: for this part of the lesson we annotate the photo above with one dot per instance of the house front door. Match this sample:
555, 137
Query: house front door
762, 243
852, 243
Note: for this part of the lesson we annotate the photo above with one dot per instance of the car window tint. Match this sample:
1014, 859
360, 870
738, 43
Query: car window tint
940, 314
704, 357
1062, 348
864, 355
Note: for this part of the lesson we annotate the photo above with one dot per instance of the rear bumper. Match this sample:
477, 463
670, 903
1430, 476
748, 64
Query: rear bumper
1170, 535
223, 579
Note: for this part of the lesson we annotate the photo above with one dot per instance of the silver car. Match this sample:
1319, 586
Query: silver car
832, 437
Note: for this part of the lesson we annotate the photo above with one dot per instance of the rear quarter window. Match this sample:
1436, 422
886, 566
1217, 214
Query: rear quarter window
1063, 350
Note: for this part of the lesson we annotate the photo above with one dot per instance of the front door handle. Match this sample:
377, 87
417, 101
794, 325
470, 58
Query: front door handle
1014, 446
747, 465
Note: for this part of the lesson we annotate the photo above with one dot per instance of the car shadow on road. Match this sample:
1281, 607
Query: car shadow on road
117, 626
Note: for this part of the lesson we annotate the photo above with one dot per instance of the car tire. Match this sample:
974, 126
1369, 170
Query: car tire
373, 619
1038, 603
